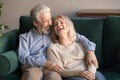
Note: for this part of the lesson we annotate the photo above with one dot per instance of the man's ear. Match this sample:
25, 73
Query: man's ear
35, 23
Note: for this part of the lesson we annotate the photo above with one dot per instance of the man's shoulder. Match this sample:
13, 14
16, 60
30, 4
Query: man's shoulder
25, 35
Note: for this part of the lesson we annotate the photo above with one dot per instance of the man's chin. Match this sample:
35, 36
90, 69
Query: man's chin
46, 31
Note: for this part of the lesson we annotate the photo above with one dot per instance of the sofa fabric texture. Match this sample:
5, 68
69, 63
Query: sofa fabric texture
111, 43
104, 32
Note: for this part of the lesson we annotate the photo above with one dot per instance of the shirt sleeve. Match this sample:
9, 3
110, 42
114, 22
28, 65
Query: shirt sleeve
92, 68
24, 53
86, 43
70, 73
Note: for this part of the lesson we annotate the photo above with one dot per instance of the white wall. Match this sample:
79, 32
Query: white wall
13, 9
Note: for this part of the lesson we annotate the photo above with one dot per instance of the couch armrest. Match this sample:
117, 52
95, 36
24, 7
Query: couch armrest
8, 62
9, 41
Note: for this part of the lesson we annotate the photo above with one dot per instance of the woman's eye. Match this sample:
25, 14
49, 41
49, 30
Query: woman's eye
55, 24
62, 22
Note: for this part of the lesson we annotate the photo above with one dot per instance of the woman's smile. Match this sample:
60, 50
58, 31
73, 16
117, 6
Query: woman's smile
60, 29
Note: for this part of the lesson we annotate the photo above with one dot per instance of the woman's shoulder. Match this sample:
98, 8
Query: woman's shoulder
53, 45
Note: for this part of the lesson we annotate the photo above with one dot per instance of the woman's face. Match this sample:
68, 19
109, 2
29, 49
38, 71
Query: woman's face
60, 27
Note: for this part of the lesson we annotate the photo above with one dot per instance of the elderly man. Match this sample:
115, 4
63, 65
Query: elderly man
33, 45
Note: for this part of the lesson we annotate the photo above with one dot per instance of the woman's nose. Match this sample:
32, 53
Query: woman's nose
58, 24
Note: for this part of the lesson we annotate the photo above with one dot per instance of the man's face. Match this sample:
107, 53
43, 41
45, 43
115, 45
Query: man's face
46, 22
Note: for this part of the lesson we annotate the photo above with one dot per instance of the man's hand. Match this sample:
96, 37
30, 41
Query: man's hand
91, 58
52, 66
87, 74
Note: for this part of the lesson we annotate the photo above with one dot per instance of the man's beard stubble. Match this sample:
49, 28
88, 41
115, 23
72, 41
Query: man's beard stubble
46, 30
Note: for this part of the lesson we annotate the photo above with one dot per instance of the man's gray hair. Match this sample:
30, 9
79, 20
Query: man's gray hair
37, 10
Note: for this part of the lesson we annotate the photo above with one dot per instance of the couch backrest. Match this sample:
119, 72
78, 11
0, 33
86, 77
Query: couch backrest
111, 43
90, 27
25, 24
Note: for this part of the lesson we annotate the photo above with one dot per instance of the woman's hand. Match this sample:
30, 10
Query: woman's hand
91, 58
52, 66
87, 74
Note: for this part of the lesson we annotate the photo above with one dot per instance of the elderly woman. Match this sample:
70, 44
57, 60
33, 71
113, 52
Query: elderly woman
69, 54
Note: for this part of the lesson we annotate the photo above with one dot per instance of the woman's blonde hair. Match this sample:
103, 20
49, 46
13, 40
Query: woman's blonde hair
71, 32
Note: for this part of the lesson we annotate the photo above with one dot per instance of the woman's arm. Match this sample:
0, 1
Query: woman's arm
54, 61
69, 73
92, 68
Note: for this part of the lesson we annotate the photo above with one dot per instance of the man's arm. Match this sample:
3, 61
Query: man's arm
86, 43
91, 58
90, 48
24, 54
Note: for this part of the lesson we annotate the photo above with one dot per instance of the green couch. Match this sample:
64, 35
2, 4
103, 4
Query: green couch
104, 32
